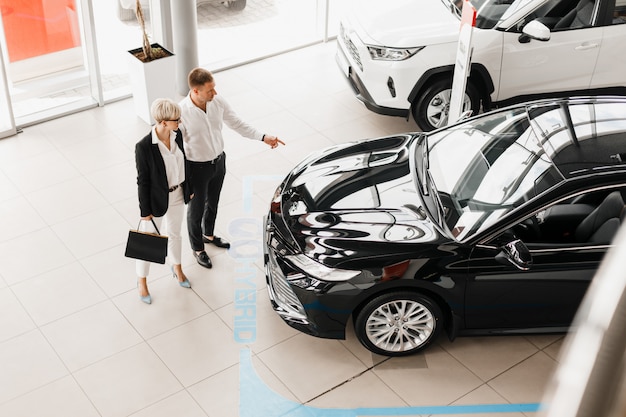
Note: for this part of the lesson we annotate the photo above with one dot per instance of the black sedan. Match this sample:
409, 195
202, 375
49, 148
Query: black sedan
494, 225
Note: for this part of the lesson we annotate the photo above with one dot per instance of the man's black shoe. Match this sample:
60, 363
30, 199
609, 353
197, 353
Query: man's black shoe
217, 241
203, 259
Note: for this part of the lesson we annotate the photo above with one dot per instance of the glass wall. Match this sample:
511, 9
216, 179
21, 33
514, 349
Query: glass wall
45, 55
65, 55
226, 36
117, 32
7, 123
264, 27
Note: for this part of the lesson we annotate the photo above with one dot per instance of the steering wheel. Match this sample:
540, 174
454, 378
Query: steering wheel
529, 229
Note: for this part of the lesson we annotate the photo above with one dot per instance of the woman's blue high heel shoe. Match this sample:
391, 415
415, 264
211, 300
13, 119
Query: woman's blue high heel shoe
145, 298
185, 283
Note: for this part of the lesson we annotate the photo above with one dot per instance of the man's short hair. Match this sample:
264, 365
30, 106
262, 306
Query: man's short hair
198, 77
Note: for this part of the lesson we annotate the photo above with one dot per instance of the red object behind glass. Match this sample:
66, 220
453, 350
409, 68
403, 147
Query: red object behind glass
38, 27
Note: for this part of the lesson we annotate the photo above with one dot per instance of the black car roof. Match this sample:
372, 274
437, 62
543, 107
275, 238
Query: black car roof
582, 135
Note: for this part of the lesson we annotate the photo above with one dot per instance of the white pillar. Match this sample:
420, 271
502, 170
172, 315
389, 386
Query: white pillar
185, 36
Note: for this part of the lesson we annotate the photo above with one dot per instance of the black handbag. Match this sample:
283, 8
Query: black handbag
151, 247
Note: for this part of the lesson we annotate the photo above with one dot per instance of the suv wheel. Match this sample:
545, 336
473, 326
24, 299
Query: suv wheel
398, 323
237, 5
432, 106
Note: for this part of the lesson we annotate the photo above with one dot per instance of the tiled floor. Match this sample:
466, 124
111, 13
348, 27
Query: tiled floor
75, 340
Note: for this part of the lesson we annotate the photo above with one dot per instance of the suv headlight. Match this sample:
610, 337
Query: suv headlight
319, 271
384, 53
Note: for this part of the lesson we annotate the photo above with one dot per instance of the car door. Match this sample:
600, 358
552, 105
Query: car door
567, 241
611, 65
546, 295
564, 62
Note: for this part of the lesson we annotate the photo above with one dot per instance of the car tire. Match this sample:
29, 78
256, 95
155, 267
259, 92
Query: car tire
398, 323
431, 108
237, 5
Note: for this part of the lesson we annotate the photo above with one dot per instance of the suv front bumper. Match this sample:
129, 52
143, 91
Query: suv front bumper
359, 89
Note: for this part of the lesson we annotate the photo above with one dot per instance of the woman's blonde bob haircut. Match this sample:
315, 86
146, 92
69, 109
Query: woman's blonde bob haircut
164, 109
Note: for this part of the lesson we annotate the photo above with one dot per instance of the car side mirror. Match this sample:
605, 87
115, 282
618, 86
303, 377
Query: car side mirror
515, 253
534, 30
465, 115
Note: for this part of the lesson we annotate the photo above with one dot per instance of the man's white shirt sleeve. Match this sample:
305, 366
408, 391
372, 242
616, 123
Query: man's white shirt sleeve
202, 132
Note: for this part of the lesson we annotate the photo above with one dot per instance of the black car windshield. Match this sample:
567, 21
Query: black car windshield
484, 168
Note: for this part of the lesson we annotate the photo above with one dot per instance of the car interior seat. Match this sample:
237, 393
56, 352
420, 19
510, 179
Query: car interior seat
619, 11
579, 17
601, 225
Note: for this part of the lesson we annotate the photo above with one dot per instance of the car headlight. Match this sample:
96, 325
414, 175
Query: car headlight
319, 271
275, 205
392, 54
306, 282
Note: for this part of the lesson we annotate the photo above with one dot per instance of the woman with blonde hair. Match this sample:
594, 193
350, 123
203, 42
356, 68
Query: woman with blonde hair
163, 187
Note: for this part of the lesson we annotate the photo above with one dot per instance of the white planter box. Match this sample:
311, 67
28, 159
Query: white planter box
151, 80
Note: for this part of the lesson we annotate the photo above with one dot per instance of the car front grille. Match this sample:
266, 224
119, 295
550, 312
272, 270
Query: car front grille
351, 47
285, 294
286, 302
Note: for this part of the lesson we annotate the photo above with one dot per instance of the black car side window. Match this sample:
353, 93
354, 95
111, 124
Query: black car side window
591, 218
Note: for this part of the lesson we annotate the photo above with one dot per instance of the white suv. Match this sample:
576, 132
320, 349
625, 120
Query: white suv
399, 54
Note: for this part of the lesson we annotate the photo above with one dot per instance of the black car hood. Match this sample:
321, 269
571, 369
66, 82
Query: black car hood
358, 204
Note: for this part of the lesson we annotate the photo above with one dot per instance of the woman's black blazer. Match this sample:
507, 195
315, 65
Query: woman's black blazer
152, 179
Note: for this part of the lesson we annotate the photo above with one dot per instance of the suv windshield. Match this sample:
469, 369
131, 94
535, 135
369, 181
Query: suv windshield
485, 168
488, 12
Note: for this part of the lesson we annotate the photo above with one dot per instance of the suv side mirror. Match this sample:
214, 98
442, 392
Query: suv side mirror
534, 30
515, 253
466, 115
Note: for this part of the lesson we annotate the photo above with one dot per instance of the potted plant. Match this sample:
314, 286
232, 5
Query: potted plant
151, 71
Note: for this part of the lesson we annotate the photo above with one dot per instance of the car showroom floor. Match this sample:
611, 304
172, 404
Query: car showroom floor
75, 340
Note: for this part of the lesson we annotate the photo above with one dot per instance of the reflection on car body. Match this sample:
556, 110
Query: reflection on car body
493, 225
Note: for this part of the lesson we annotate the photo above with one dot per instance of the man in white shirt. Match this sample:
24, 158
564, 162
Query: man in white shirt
203, 115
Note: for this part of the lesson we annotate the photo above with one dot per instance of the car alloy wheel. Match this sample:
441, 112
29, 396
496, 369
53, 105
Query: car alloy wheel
398, 323
433, 106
